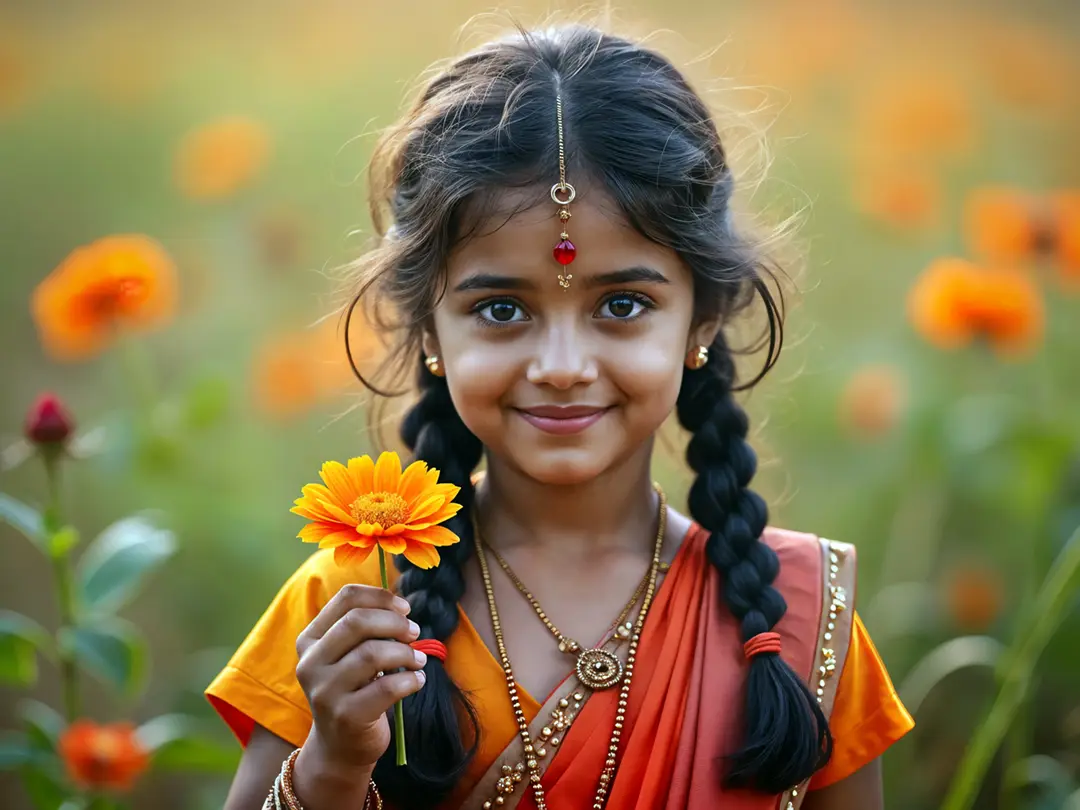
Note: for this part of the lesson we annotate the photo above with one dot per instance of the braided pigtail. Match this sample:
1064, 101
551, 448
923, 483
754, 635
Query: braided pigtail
787, 736
438, 751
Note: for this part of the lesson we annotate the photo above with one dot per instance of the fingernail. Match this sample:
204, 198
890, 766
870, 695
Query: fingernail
414, 628
421, 659
402, 605
421, 677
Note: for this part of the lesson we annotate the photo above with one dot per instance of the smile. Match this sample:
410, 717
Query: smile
562, 420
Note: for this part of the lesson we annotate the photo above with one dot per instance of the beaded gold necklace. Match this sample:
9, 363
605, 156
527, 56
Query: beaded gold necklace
627, 672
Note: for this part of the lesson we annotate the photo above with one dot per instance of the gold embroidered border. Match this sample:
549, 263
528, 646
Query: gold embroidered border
834, 633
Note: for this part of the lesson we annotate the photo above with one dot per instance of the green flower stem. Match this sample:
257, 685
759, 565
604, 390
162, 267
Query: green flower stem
399, 716
1034, 631
65, 589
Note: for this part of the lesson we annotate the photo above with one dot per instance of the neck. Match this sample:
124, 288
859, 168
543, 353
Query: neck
616, 511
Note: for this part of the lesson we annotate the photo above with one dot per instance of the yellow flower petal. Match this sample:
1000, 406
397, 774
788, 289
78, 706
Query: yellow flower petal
392, 545
337, 513
387, 473
412, 483
421, 555
427, 507
339, 482
433, 535
348, 554
341, 538
314, 532
362, 471
370, 530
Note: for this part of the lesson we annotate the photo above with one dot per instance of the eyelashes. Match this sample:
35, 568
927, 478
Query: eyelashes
503, 311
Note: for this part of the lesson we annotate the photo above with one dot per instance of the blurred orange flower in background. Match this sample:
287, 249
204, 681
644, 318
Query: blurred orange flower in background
1003, 224
955, 301
221, 158
1025, 65
872, 401
107, 756
907, 198
924, 116
295, 371
973, 594
116, 283
1065, 226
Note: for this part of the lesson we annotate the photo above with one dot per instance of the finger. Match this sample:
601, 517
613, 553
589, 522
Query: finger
356, 627
347, 598
361, 665
374, 700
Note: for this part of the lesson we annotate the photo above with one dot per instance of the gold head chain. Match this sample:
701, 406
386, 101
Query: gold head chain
562, 193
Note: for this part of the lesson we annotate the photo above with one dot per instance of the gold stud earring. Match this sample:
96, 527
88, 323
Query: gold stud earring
434, 365
697, 358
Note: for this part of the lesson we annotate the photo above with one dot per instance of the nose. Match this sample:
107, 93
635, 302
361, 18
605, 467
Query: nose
563, 358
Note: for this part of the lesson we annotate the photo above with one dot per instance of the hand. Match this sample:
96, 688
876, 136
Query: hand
360, 633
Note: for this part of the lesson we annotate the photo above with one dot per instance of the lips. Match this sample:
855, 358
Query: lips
563, 420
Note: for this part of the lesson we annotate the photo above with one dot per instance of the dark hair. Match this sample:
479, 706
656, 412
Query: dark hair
633, 125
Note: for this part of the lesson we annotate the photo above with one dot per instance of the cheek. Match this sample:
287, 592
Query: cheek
648, 372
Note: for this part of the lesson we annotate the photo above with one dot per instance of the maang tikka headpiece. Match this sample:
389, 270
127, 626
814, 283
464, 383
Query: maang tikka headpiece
563, 194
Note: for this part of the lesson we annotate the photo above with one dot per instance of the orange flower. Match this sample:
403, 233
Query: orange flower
1065, 216
286, 382
368, 504
221, 158
955, 301
1003, 224
872, 401
114, 283
904, 198
973, 596
103, 756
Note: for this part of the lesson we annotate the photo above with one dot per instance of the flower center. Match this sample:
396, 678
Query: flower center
384, 508
105, 746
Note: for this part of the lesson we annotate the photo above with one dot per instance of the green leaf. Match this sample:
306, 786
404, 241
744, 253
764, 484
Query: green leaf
20, 639
24, 518
112, 650
44, 725
63, 542
15, 750
45, 786
163, 729
1034, 630
197, 754
119, 559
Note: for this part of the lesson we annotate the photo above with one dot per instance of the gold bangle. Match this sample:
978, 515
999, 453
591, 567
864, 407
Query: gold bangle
287, 793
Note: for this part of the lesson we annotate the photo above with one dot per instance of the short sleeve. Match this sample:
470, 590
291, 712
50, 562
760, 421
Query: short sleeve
867, 715
259, 684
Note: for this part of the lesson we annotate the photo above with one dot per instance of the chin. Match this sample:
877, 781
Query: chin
563, 467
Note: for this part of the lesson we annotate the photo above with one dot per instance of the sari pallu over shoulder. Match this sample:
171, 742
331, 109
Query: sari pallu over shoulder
685, 712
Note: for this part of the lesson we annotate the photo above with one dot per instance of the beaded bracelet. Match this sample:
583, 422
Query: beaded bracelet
282, 791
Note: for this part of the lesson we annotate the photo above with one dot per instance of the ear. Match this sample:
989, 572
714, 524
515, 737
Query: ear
703, 334
429, 344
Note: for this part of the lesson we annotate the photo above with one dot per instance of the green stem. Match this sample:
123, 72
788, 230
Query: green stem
65, 590
399, 716
1033, 632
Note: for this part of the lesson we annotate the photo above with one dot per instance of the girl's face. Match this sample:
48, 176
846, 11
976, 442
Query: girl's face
565, 384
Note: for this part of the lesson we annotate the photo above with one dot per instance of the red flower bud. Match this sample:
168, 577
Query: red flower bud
48, 422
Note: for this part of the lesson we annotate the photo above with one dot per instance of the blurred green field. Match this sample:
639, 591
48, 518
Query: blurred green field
956, 473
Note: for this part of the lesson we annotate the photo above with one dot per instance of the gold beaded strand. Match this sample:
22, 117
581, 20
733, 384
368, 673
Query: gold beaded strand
531, 764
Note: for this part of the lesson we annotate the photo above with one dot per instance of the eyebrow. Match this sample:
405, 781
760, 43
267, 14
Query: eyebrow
629, 275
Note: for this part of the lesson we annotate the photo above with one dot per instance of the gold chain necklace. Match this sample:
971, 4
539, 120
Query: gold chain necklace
531, 763
596, 668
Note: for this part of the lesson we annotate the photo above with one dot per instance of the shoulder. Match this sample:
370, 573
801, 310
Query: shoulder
809, 553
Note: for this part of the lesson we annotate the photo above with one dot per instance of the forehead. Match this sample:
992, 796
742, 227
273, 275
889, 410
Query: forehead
518, 230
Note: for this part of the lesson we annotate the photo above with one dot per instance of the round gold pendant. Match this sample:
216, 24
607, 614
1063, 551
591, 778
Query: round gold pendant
598, 669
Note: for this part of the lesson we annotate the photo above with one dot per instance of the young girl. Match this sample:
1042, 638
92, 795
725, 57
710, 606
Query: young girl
565, 272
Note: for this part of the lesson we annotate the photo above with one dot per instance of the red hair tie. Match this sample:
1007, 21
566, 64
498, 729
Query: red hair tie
432, 647
762, 643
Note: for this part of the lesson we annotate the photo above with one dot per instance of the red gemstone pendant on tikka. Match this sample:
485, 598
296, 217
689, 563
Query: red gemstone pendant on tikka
565, 251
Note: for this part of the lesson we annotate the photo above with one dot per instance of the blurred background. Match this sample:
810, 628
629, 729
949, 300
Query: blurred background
926, 407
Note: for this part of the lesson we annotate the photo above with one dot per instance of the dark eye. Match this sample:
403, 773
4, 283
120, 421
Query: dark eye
501, 312
624, 307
